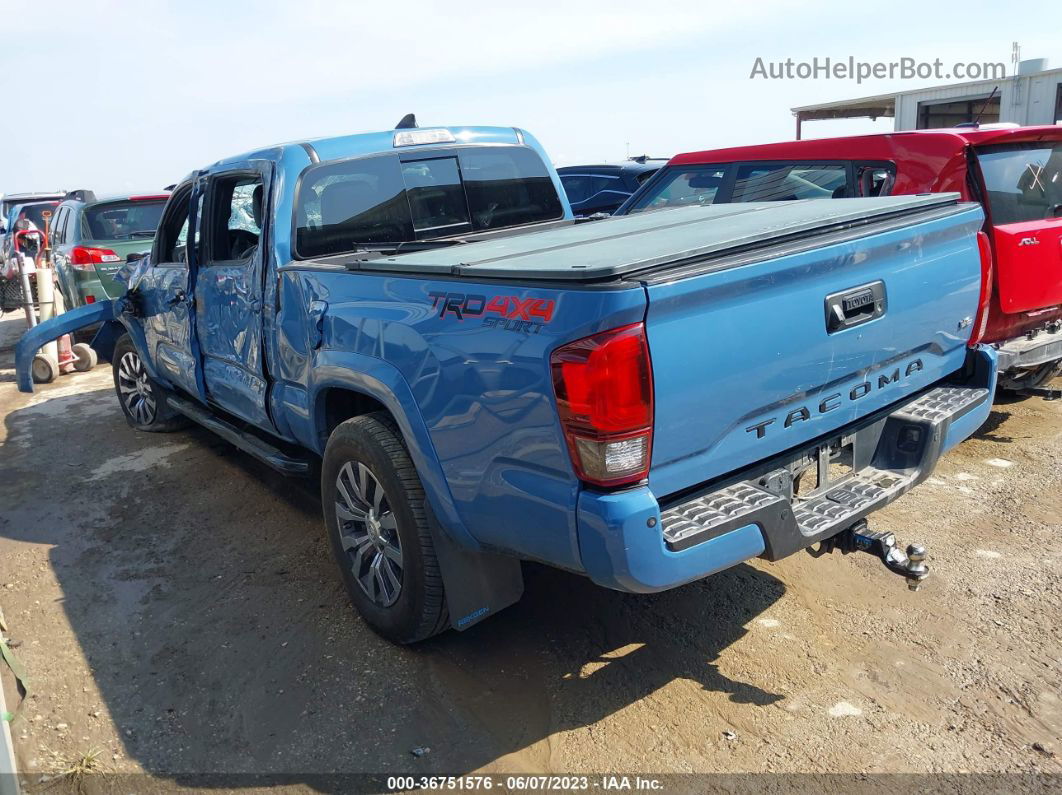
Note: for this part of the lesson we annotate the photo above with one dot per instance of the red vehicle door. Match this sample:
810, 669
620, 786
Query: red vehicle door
1024, 192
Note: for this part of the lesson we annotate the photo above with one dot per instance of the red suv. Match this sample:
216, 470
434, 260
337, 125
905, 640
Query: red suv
1015, 173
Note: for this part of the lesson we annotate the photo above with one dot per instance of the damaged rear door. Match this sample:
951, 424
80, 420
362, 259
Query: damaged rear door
228, 289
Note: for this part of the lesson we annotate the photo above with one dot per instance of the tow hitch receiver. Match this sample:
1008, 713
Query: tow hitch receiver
1047, 393
859, 538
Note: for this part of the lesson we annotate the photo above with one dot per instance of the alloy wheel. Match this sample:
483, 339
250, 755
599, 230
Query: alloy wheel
135, 389
368, 530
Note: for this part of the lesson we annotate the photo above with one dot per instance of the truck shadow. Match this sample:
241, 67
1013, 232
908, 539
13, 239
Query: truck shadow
201, 591
996, 419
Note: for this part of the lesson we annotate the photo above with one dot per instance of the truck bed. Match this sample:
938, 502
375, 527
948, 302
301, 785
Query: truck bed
639, 244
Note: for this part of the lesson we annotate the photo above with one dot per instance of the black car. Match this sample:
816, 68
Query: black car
602, 189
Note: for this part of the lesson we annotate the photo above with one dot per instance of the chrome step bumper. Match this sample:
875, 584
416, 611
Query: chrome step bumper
889, 456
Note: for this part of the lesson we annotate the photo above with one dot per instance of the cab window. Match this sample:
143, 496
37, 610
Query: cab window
875, 180
384, 200
757, 182
173, 232
683, 187
235, 222
576, 187
1024, 181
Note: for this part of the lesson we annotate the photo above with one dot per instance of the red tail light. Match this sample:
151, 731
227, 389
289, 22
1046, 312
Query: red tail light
604, 388
85, 257
90, 299
984, 245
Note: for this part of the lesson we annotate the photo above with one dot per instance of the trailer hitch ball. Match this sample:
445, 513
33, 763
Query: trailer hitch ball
917, 570
859, 538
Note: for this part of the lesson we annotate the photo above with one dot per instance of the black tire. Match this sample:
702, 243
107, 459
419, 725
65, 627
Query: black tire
417, 609
147, 409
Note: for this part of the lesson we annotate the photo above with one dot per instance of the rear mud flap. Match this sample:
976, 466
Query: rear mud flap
68, 322
477, 584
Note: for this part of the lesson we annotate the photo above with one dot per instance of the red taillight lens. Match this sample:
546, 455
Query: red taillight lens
604, 388
90, 299
85, 257
984, 246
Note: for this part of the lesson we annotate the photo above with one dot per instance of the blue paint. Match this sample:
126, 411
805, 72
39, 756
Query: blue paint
275, 341
622, 547
461, 622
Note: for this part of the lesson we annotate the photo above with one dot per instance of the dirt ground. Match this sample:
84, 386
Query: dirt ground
178, 613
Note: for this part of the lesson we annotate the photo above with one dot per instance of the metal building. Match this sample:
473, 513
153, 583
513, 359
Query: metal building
1032, 96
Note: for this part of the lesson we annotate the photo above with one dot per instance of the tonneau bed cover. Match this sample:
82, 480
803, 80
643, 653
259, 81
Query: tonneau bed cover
616, 247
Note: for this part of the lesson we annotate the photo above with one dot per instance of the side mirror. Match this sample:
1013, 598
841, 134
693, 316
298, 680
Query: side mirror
136, 255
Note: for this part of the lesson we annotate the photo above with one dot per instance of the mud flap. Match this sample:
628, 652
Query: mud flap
477, 584
68, 322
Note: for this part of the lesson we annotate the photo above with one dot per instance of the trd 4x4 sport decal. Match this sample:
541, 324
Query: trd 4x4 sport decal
508, 312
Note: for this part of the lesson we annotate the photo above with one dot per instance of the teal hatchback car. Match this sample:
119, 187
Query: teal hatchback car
91, 238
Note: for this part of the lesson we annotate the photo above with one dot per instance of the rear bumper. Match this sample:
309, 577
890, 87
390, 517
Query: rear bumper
1043, 347
629, 542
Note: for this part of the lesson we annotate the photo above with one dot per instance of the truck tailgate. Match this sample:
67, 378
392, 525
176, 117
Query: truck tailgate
758, 351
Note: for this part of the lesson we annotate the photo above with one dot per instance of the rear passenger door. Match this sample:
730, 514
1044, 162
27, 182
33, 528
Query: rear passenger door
228, 289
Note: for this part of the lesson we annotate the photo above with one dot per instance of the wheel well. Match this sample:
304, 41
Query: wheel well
342, 404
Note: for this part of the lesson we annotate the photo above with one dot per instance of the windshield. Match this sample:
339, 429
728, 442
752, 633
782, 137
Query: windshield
396, 198
33, 213
123, 220
1024, 181
12, 203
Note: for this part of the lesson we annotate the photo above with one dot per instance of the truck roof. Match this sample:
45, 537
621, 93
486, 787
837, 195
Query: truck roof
367, 143
896, 144
617, 246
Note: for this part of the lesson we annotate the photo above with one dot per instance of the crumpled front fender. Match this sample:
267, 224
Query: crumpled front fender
35, 338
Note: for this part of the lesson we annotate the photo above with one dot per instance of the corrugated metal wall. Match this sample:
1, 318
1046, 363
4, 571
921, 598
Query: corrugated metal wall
1025, 100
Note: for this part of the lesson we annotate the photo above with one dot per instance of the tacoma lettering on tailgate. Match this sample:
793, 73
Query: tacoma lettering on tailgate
837, 399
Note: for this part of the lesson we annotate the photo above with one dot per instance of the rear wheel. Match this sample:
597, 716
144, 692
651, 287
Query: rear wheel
374, 512
143, 403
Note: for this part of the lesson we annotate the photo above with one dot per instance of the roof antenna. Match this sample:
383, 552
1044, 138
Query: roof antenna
409, 121
977, 119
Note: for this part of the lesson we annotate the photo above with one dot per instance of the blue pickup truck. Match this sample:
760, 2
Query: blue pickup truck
478, 378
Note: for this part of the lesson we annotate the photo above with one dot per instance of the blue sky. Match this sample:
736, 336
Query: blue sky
133, 95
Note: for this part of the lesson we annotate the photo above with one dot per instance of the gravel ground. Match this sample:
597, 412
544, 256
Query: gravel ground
179, 614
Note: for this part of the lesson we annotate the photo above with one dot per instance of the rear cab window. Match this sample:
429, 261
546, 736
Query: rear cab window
393, 198
758, 182
1024, 181
755, 182
122, 220
683, 187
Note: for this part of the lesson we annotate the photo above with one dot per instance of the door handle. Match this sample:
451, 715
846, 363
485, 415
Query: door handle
855, 306
178, 298
255, 305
